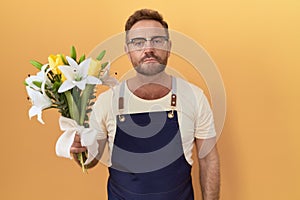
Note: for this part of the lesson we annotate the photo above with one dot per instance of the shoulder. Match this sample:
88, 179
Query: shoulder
188, 89
107, 97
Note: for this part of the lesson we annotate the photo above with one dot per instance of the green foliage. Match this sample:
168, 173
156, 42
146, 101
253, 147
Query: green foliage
59, 100
64, 59
36, 64
38, 84
103, 65
73, 53
101, 55
82, 58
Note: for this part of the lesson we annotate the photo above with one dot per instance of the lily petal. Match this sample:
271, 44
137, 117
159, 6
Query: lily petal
80, 84
72, 62
33, 111
84, 67
65, 86
39, 102
39, 118
93, 80
68, 71
31, 79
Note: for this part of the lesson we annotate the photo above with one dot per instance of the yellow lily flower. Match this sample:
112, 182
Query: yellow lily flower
54, 62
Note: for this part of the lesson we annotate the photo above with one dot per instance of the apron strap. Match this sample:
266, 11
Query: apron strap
121, 96
122, 91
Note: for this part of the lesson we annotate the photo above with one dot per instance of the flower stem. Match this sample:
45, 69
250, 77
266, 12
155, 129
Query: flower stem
73, 109
74, 113
80, 158
87, 92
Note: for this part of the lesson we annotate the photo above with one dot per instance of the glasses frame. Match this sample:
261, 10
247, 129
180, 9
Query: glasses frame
151, 39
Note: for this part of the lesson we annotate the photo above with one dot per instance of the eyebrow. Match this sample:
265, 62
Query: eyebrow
155, 36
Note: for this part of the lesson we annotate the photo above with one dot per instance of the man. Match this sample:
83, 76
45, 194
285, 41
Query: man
151, 122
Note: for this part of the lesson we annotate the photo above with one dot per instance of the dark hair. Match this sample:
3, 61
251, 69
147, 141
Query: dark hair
145, 14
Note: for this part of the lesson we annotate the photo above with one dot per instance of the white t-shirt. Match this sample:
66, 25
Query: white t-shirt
195, 117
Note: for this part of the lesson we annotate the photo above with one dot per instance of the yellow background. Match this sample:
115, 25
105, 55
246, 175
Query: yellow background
255, 44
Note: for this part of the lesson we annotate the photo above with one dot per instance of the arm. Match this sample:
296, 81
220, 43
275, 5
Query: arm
209, 168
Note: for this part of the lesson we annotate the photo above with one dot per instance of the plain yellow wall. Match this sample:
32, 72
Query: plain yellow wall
254, 43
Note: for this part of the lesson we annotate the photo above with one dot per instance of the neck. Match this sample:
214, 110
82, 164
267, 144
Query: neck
150, 87
162, 79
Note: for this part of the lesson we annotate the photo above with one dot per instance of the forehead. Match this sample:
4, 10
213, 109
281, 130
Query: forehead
146, 28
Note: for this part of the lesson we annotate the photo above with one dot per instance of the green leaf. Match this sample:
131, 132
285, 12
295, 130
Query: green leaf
37, 83
36, 64
55, 86
101, 55
73, 53
64, 59
82, 58
103, 65
25, 83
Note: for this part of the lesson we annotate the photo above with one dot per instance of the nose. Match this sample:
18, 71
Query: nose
148, 45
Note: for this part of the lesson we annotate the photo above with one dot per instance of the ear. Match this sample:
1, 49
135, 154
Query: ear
126, 48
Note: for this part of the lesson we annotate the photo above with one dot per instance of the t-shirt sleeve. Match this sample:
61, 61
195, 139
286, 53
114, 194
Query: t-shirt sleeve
204, 126
97, 118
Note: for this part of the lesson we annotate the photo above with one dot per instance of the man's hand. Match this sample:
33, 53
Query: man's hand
76, 146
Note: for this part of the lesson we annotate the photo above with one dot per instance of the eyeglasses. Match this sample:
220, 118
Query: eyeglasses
156, 42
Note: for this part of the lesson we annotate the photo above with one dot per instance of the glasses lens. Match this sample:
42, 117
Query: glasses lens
138, 43
156, 42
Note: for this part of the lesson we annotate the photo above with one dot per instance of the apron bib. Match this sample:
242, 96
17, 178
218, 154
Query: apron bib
148, 162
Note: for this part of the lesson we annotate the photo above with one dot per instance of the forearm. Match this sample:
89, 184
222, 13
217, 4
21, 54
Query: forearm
210, 176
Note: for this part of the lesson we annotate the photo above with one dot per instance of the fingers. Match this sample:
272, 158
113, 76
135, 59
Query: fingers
77, 149
76, 146
77, 138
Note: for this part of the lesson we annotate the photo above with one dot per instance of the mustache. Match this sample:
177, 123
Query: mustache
151, 56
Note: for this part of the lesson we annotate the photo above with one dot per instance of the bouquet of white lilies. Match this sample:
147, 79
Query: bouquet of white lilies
69, 86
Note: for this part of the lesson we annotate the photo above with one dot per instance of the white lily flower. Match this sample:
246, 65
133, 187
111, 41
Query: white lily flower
39, 102
40, 77
76, 75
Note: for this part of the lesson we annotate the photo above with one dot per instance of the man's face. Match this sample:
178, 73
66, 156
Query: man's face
148, 47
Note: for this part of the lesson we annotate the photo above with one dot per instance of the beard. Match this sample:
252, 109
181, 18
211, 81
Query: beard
152, 68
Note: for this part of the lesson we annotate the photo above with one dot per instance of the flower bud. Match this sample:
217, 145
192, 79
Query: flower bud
94, 68
54, 62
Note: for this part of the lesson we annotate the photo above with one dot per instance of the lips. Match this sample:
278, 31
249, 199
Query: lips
149, 60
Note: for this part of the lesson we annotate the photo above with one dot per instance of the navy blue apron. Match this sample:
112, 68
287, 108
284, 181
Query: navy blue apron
148, 162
